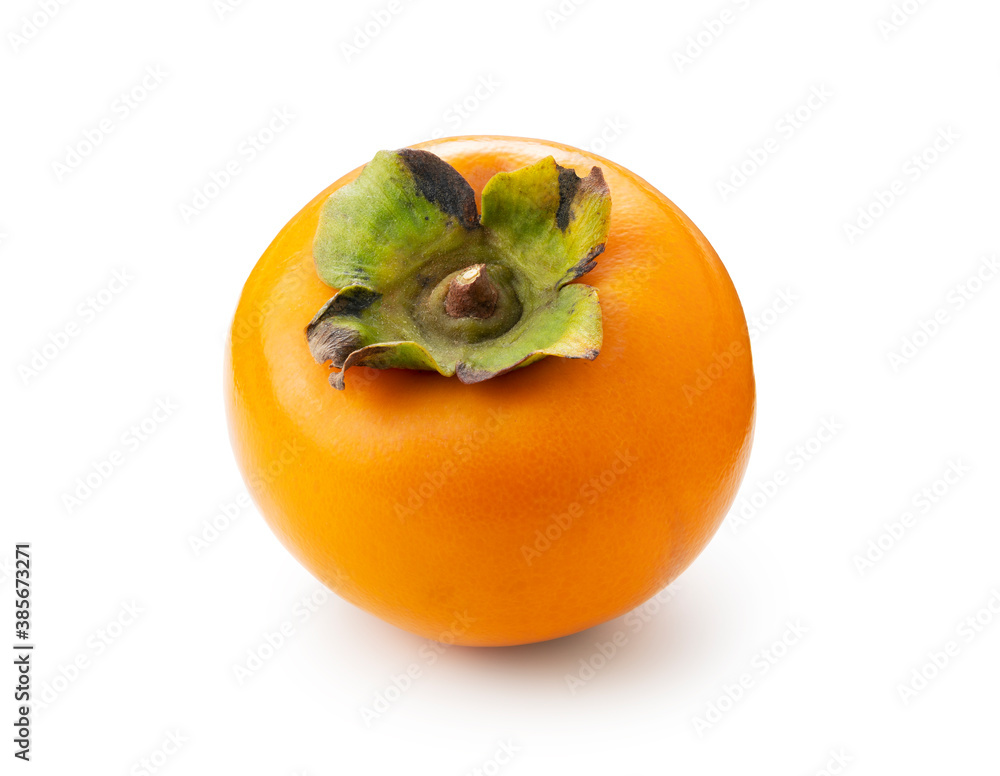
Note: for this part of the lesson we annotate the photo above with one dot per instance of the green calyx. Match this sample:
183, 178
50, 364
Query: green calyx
426, 283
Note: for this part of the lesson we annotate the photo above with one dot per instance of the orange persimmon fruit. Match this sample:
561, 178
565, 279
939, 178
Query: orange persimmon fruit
548, 397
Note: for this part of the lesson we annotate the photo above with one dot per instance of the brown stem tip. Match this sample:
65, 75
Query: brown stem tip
471, 294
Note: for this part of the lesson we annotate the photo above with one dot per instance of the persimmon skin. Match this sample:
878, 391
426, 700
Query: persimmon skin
529, 506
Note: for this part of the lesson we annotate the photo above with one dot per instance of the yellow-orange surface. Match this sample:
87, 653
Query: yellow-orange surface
526, 507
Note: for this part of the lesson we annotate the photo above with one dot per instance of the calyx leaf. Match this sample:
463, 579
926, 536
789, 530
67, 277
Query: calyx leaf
426, 284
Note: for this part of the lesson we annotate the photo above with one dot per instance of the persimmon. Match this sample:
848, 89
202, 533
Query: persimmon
546, 397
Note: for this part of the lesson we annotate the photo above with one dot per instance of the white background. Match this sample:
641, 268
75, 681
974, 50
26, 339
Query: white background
829, 310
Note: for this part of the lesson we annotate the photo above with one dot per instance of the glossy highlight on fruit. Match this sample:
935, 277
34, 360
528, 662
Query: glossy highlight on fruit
487, 496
